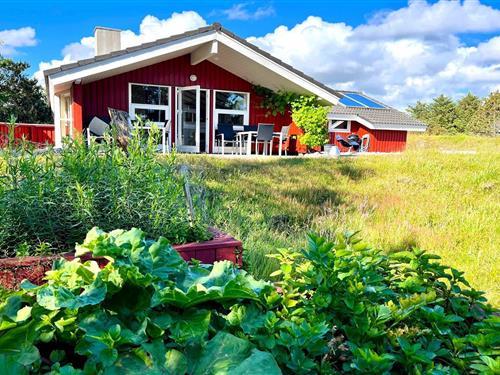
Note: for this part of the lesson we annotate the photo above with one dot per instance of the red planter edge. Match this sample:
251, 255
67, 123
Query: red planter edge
221, 247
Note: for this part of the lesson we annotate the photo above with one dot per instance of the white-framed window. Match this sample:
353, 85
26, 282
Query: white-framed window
231, 107
150, 102
66, 116
339, 126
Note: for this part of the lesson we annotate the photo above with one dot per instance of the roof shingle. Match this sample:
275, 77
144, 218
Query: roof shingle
385, 118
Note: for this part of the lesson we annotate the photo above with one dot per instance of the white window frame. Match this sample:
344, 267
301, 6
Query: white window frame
66, 119
133, 106
216, 111
331, 129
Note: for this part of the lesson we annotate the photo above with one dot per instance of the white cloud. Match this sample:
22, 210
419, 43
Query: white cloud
420, 18
399, 56
241, 12
11, 40
151, 28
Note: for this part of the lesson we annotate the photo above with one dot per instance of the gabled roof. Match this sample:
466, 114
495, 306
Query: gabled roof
216, 32
377, 118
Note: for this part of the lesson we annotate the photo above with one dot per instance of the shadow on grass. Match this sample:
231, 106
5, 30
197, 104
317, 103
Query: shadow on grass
317, 197
354, 172
270, 203
407, 243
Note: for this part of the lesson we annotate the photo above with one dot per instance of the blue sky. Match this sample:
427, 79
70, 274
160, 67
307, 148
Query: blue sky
392, 49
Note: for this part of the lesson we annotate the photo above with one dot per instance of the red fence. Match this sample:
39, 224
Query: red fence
36, 133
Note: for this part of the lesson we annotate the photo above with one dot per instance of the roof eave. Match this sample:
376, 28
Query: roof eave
326, 93
374, 125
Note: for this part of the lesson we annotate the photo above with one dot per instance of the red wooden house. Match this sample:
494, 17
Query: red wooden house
196, 80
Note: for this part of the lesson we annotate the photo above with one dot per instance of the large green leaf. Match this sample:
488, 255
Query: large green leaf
54, 297
130, 248
165, 259
100, 243
258, 363
152, 359
228, 354
13, 312
224, 282
190, 326
17, 345
105, 334
10, 365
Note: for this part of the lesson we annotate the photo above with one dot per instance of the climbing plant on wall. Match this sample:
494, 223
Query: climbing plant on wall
275, 101
307, 113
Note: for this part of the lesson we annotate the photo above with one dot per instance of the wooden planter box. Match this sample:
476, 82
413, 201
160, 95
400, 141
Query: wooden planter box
221, 247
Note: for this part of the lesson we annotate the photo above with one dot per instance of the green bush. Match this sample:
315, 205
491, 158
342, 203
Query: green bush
401, 313
311, 117
339, 307
49, 201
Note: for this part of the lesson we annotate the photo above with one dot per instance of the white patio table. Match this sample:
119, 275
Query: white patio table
249, 135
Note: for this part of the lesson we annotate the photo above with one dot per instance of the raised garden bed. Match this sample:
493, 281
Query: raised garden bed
221, 247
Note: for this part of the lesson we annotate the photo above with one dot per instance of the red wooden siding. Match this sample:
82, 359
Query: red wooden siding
36, 133
113, 91
380, 140
76, 107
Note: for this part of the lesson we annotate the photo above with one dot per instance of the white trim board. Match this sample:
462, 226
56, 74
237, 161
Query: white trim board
277, 68
133, 59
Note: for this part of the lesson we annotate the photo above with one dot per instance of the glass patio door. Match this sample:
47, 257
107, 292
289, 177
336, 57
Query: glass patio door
188, 119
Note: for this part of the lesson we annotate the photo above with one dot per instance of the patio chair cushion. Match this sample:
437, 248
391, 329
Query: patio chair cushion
98, 127
342, 141
227, 130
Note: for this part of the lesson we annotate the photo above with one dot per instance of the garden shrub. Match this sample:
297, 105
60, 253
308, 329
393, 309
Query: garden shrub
51, 200
340, 307
310, 116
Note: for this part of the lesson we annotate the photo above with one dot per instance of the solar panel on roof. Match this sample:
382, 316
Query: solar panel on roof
349, 102
363, 100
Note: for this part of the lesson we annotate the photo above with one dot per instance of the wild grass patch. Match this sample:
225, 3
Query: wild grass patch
50, 200
446, 203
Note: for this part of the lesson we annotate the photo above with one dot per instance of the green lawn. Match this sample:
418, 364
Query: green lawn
442, 195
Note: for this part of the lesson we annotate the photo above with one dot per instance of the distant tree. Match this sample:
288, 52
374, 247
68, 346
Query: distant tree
486, 121
420, 111
466, 110
442, 115
21, 95
469, 115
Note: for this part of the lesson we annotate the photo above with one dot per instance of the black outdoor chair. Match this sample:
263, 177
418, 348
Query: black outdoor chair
352, 143
225, 135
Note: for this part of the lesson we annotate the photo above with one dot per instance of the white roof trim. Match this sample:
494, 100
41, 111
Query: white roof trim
70, 75
277, 68
79, 72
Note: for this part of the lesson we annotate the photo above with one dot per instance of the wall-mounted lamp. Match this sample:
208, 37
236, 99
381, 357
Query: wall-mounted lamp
193, 78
